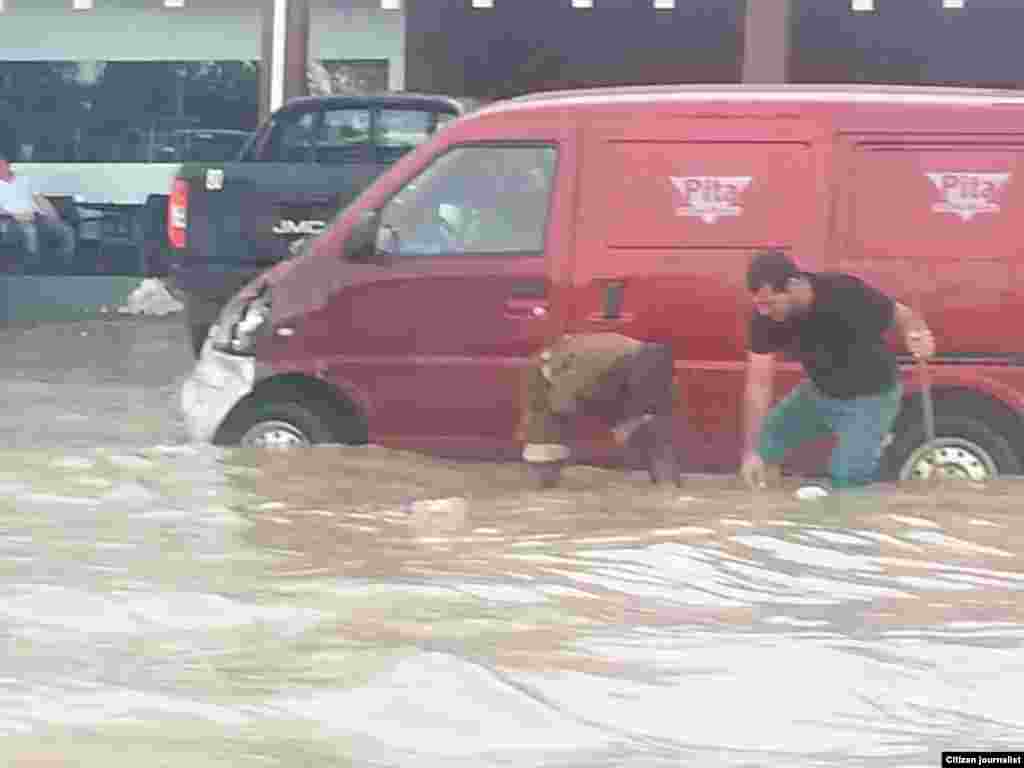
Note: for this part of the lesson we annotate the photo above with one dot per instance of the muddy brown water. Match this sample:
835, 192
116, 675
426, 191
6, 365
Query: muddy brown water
166, 605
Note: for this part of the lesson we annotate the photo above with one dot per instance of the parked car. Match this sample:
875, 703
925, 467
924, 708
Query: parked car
637, 210
227, 221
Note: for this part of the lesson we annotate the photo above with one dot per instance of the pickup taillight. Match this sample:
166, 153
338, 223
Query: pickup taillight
177, 213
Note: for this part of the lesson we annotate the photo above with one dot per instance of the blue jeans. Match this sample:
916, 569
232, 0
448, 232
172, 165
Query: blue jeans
861, 424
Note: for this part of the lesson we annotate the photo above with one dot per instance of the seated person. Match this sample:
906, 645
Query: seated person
28, 220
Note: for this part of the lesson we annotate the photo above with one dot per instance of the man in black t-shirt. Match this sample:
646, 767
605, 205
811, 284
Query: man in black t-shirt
834, 324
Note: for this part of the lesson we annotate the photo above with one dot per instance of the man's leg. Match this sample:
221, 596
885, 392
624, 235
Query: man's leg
545, 451
647, 411
30, 244
796, 419
862, 425
60, 236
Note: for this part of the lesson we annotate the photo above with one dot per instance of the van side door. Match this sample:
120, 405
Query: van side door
437, 331
672, 209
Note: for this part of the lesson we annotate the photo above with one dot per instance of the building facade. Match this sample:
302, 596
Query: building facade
95, 94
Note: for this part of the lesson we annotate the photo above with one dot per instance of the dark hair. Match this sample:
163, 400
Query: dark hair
772, 268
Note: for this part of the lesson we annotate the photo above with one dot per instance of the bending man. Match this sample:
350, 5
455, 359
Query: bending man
835, 324
627, 384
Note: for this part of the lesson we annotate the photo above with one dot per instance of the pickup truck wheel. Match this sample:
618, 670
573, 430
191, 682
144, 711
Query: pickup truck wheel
964, 448
279, 425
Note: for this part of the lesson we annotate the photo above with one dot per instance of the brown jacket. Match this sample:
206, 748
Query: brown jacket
567, 372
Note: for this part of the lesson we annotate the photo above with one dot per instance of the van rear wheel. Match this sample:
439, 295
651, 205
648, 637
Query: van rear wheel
964, 448
277, 425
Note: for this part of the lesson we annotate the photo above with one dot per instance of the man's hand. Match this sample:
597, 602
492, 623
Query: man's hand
25, 217
753, 472
921, 343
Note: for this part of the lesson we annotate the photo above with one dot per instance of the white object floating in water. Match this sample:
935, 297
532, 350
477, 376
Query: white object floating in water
456, 505
151, 298
809, 492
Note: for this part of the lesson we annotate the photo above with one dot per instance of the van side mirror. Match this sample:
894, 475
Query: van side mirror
361, 244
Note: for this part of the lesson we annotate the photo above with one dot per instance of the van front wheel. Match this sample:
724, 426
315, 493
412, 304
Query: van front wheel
277, 425
964, 448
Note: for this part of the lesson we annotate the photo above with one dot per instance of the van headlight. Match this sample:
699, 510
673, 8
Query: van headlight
241, 324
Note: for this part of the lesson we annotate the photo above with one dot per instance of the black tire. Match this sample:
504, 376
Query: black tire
197, 335
303, 419
966, 438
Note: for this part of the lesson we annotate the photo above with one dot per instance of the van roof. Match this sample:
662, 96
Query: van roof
748, 93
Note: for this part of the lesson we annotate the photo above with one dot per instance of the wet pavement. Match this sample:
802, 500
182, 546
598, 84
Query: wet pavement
165, 605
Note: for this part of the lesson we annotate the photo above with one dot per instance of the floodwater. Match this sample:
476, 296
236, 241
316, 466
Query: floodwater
166, 605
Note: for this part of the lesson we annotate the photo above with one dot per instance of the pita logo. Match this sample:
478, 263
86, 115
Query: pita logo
968, 194
710, 197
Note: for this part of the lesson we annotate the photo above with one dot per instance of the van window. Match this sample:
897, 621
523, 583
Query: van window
475, 200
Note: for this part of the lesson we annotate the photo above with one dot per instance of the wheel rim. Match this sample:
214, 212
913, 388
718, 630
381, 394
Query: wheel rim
274, 434
952, 457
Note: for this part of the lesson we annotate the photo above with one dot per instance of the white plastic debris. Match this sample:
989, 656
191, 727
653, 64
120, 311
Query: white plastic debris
151, 298
453, 505
809, 492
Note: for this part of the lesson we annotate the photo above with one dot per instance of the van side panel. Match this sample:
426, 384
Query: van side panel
937, 219
671, 213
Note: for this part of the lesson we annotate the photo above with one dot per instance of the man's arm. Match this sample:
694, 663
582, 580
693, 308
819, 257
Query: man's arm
45, 207
906, 320
757, 398
914, 331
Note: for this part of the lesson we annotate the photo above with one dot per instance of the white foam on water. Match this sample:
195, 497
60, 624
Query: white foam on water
931, 584
800, 553
73, 462
432, 703
130, 462
686, 530
885, 538
976, 521
50, 498
123, 705
163, 514
915, 522
176, 450
130, 493
220, 515
834, 537
503, 593
790, 621
952, 542
136, 612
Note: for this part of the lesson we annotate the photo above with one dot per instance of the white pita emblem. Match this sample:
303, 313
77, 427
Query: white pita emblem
710, 197
968, 194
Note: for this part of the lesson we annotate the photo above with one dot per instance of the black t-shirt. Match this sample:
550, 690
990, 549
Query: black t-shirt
840, 338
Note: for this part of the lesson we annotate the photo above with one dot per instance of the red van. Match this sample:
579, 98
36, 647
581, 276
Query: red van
637, 210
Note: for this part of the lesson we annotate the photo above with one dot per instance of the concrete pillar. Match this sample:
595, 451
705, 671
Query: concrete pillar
285, 52
766, 41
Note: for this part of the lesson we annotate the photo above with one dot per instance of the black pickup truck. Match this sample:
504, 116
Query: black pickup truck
226, 222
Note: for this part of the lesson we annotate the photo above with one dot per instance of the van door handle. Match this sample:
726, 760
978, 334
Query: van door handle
526, 309
602, 319
529, 289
